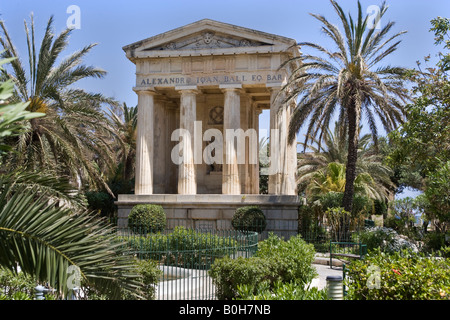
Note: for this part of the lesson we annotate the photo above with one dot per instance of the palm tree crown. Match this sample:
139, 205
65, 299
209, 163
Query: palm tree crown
348, 82
73, 138
124, 119
333, 149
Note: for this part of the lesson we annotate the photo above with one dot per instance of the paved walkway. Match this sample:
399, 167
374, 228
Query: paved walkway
195, 284
324, 271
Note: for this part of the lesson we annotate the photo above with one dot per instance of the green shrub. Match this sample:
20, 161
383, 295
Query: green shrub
281, 291
386, 239
292, 259
183, 247
101, 202
145, 218
16, 286
228, 274
276, 260
362, 205
400, 276
380, 207
433, 241
16, 296
150, 275
249, 218
444, 252
311, 228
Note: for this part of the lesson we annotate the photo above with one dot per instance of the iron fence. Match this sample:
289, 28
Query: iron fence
321, 238
185, 256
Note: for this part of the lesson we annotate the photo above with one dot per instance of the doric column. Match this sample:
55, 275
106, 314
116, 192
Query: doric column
160, 160
231, 122
274, 152
255, 170
281, 173
187, 175
144, 142
293, 162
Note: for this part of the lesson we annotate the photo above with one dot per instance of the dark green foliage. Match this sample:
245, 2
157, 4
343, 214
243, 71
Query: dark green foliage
228, 274
380, 207
434, 241
438, 194
101, 202
249, 218
281, 291
183, 247
362, 205
150, 275
16, 286
311, 228
145, 218
276, 261
293, 258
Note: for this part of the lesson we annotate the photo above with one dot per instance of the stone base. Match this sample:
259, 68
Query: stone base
215, 211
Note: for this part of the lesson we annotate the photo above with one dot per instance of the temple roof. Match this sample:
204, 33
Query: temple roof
209, 37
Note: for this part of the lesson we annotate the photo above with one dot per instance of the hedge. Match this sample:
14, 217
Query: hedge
402, 275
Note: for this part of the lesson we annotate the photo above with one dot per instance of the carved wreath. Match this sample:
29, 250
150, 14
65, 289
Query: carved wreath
216, 115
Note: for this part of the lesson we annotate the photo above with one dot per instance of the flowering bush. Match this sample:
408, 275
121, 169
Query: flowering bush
387, 239
403, 275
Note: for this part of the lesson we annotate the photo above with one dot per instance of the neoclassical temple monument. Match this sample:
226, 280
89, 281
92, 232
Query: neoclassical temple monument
201, 89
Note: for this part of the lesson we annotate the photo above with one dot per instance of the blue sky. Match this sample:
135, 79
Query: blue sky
113, 24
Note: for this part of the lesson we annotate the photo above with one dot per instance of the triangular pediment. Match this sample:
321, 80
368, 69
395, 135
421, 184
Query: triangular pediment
212, 37
208, 39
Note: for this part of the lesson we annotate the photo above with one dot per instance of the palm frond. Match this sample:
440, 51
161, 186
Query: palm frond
44, 240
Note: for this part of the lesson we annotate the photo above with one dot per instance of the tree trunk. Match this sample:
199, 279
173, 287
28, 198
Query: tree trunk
352, 156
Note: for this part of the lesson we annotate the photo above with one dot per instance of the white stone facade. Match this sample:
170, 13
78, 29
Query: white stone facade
208, 79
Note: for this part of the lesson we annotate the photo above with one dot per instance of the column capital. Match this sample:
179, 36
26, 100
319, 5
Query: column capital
145, 90
274, 87
231, 87
187, 89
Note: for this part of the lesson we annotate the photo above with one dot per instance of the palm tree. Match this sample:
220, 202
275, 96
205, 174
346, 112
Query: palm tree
348, 82
333, 149
73, 139
45, 237
332, 179
124, 120
11, 114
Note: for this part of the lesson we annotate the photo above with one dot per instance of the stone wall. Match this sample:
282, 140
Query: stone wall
216, 211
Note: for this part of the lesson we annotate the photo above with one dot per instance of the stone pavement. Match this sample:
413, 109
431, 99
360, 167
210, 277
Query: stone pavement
324, 271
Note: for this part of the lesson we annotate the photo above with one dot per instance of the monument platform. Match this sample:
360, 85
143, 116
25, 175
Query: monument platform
215, 211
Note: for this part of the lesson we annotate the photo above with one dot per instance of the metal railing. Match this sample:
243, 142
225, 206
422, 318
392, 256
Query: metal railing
185, 255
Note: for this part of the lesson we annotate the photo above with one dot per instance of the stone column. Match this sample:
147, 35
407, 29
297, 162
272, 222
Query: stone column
160, 175
282, 175
255, 170
274, 151
292, 151
187, 175
231, 121
144, 142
